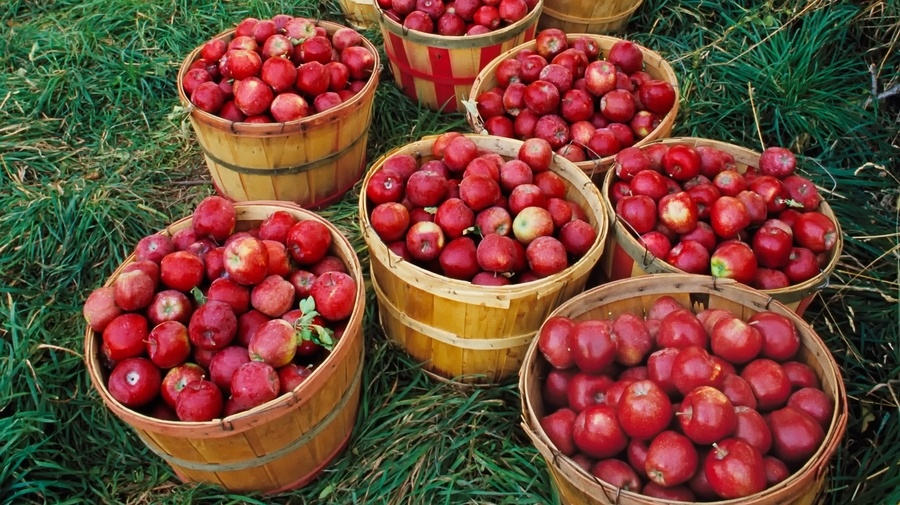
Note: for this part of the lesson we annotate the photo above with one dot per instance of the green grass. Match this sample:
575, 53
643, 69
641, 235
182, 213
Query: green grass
93, 158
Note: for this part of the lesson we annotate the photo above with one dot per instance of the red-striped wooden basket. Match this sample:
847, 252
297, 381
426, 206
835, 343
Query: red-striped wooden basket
438, 71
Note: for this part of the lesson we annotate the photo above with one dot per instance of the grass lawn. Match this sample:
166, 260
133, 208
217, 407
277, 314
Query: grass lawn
93, 158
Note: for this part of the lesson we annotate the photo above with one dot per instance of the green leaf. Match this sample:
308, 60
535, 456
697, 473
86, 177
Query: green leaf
198, 295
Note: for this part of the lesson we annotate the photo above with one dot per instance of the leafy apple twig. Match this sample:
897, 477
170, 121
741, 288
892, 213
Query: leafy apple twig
309, 330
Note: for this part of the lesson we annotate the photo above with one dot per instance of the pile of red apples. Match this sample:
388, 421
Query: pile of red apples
210, 321
682, 406
472, 215
690, 207
455, 18
278, 70
565, 92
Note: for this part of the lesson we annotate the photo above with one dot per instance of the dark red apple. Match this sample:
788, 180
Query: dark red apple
134, 382
706, 415
734, 469
671, 459
769, 383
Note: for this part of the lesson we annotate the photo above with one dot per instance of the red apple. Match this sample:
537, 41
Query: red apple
577, 236
124, 337
212, 326
778, 162
657, 96
706, 415
253, 384
597, 433
153, 247
734, 260
308, 241
644, 410
781, 341
796, 436
815, 231
600, 77
246, 260
769, 383
168, 344
134, 382
593, 345
176, 379
224, 363
100, 308
671, 459
693, 367
273, 296
558, 427
546, 256
274, 342
734, 469
276, 225
335, 295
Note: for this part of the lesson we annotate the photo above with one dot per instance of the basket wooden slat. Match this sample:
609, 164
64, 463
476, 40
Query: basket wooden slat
282, 444
636, 295
625, 256
360, 14
438, 71
588, 16
460, 330
312, 161
654, 64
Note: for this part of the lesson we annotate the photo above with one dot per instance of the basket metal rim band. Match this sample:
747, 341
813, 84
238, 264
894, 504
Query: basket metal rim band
476, 344
292, 170
574, 19
272, 456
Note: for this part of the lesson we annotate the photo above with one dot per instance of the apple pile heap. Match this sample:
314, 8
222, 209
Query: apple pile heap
475, 216
564, 92
211, 322
682, 406
456, 17
277, 70
694, 210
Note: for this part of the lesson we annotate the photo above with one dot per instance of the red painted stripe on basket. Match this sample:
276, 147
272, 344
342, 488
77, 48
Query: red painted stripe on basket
529, 33
622, 264
444, 93
488, 54
396, 52
803, 304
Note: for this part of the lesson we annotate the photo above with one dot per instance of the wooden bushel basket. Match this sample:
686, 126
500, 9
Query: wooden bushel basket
312, 161
654, 64
459, 330
576, 486
588, 16
438, 71
282, 444
625, 256
360, 14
